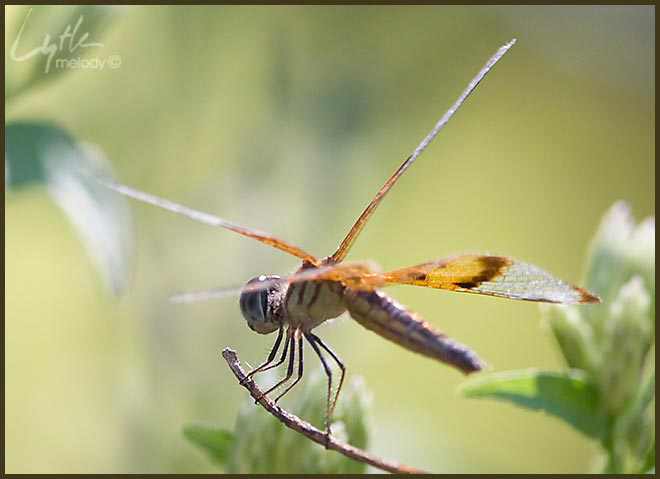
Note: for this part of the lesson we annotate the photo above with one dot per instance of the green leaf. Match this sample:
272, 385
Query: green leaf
649, 464
216, 442
43, 154
633, 430
565, 395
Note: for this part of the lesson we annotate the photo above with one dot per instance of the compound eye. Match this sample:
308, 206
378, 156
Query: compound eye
254, 306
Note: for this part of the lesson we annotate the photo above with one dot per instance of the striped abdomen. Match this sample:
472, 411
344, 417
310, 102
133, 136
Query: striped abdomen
381, 314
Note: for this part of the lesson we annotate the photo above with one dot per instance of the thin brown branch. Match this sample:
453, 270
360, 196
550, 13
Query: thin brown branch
306, 429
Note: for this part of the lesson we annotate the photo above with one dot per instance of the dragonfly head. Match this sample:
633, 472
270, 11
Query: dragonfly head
258, 304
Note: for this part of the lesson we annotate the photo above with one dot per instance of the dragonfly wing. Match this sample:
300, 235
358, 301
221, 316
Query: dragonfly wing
494, 276
358, 276
352, 235
209, 219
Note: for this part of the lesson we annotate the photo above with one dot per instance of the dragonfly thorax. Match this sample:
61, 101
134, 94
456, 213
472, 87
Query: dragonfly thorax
260, 306
309, 303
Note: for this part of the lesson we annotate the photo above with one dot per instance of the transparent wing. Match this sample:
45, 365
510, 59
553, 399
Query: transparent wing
209, 219
494, 276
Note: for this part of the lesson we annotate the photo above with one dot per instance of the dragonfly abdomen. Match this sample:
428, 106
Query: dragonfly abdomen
383, 315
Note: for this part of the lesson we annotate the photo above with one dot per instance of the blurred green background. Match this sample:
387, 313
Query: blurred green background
289, 119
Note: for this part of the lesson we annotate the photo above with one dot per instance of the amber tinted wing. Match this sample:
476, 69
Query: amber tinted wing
494, 276
352, 235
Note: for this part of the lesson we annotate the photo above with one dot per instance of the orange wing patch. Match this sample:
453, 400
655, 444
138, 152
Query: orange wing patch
362, 276
494, 276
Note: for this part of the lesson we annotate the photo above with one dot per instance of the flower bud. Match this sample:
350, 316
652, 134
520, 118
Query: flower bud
627, 335
574, 336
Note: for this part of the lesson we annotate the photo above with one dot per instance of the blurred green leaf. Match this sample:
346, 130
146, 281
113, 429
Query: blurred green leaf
216, 442
40, 153
565, 395
633, 430
647, 390
37, 37
649, 464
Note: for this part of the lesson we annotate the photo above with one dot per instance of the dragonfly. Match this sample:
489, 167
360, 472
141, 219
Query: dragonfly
325, 288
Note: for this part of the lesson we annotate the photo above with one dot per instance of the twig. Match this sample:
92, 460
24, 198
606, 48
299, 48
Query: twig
306, 429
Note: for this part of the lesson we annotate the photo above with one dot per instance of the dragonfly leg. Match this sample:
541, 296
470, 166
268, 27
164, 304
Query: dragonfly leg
271, 356
328, 372
300, 366
289, 372
282, 357
341, 366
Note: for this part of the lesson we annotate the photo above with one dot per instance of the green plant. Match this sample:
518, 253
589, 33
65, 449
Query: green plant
261, 444
608, 390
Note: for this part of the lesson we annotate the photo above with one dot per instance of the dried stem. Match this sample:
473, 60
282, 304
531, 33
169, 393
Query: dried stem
306, 429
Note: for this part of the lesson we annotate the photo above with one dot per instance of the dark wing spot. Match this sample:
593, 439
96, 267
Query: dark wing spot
492, 268
587, 297
418, 276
